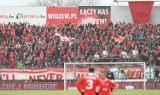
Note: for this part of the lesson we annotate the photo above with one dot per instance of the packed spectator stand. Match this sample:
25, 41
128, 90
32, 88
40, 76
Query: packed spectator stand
29, 46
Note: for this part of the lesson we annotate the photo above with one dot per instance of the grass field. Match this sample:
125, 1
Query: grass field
73, 92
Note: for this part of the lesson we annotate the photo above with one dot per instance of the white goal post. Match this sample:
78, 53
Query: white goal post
73, 66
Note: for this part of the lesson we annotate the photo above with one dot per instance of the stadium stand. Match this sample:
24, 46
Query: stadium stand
29, 46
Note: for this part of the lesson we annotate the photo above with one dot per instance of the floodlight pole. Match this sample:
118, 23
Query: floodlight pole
75, 55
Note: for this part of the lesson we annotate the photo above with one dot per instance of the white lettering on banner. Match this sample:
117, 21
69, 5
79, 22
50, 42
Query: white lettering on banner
94, 21
94, 12
50, 75
30, 86
39, 86
46, 77
32, 76
103, 11
6, 86
87, 11
62, 16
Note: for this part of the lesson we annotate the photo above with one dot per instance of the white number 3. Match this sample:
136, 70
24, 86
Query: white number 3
90, 84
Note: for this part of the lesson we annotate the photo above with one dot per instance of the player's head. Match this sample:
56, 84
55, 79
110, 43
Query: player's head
103, 75
91, 69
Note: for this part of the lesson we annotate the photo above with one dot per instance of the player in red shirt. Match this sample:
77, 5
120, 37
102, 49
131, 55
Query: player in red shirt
90, 82
107, 84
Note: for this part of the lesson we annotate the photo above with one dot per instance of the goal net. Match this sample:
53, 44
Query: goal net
125, 73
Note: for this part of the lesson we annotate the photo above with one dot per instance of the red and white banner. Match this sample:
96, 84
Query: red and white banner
64, 38
58, 73
43, 74
31, 15
58, 15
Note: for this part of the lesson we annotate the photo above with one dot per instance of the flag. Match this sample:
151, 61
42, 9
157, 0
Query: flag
119, 39
64, 38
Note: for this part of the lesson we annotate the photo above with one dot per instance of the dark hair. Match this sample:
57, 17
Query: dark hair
91, 69
104, 71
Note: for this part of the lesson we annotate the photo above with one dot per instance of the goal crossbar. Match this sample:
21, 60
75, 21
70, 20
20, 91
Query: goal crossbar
111, 63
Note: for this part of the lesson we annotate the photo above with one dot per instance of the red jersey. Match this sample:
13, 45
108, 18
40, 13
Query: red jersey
106, 87
89, 82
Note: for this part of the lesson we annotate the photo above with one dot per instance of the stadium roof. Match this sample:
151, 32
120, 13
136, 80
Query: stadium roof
135, 0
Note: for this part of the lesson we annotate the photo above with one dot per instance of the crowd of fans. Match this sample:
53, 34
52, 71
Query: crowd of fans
29, 46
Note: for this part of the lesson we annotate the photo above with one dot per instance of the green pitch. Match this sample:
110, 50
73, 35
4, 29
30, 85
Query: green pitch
73, 92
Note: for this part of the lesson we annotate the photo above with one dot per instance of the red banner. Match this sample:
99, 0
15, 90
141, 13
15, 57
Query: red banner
141, 11
99, 15
58, 15
60, 85
140, 85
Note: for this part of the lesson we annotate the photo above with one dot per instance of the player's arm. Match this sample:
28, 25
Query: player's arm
115, 87
79, 85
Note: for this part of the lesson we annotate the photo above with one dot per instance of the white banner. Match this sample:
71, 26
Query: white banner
32, 15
